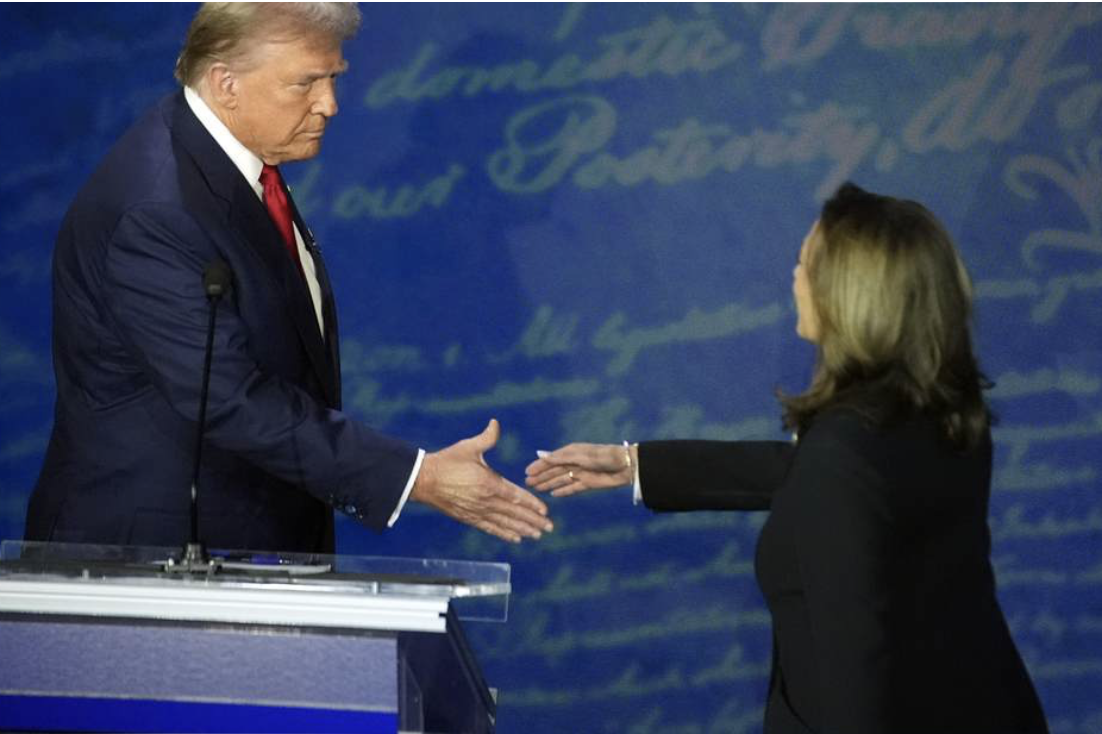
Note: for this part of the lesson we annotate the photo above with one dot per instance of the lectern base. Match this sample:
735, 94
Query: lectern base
56, 714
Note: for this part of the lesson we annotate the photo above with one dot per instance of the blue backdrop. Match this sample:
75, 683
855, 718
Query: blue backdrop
582, 219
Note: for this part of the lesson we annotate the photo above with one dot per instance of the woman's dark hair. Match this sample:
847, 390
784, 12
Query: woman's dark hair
893, 302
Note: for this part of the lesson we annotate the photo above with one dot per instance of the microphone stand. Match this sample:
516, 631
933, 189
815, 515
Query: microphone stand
195, 559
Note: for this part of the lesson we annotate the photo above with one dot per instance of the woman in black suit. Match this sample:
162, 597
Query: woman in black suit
874, 561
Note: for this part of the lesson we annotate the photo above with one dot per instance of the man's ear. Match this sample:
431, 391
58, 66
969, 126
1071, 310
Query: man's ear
223, 85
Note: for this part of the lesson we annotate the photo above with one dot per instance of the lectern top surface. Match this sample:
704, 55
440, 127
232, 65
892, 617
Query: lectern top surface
379, 575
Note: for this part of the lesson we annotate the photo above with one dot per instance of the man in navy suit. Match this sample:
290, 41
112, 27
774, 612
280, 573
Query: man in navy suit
194, 181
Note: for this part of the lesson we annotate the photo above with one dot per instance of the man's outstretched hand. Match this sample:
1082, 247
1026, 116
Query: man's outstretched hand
458, 482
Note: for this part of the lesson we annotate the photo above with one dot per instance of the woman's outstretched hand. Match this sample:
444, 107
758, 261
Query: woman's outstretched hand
579, 467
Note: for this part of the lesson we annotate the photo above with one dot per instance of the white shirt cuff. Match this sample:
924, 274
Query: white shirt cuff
409, 488
636, 487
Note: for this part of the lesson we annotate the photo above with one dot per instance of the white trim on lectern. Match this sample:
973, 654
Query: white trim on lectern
241, 604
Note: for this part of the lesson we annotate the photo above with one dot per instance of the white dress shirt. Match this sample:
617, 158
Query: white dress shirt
250, 166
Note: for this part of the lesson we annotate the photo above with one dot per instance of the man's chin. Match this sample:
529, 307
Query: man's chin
303, 151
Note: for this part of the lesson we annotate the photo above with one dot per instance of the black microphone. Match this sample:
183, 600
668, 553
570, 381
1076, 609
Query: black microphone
217, 279
217, 282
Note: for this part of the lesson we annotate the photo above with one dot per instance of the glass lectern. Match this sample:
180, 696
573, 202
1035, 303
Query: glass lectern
114, 638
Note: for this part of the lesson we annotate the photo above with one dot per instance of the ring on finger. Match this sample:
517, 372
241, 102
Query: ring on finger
571, 475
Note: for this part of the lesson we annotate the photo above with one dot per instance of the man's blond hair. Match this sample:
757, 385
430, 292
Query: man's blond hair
229, 32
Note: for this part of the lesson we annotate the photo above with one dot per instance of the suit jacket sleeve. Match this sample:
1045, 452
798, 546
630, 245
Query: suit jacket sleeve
844, 532
712, 475
153, 280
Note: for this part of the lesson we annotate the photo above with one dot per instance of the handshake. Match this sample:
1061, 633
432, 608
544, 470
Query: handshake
458, 482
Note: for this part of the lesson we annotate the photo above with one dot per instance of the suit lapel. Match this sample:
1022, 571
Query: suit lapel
256, 227
328, 302
250, 220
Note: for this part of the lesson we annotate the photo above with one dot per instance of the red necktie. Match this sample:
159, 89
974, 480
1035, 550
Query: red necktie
279, 208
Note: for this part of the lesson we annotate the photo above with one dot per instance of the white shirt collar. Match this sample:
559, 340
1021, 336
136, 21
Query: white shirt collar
246, 161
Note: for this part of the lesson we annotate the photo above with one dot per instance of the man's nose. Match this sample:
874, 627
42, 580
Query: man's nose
326, 102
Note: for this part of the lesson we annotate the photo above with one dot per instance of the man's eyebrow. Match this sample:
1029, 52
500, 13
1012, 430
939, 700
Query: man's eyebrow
341, 68
315, 75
